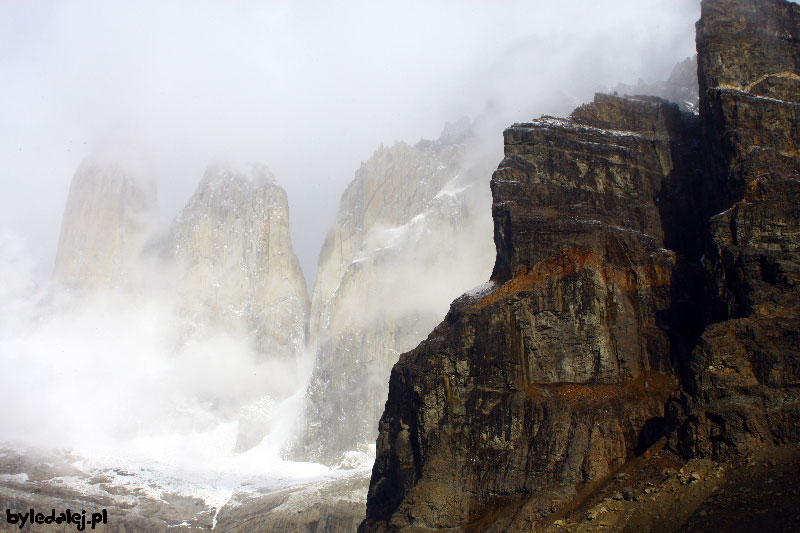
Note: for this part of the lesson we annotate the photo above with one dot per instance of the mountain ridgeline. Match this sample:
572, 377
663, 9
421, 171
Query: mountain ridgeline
645, 286
412, 231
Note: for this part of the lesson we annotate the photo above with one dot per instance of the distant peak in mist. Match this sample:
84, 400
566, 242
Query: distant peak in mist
255, 173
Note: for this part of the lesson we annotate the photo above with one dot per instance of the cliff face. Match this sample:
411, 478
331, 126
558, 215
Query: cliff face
556, 372
411, 231
742, 385
110, 213
242, 273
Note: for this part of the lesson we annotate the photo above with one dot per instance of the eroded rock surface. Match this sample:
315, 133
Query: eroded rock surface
554, 373
611, 263
742, 388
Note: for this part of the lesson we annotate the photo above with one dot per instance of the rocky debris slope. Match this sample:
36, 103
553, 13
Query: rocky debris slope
557, 372
661, 492
742, 386
241, 271
137, 501
110, 213
410, 234
329, 506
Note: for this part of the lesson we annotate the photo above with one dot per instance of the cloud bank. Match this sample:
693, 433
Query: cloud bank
309, 88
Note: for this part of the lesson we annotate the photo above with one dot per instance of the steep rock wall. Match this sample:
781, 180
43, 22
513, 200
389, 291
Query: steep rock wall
742, 387
555, 372
616, 284
241, 271
412, 230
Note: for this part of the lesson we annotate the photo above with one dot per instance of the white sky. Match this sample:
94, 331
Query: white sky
309, 88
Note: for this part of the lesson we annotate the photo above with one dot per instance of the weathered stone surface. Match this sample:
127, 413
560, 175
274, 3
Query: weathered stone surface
742, 387
412, 231
554, 374
558, 370
109, 215
240, 277
241, 271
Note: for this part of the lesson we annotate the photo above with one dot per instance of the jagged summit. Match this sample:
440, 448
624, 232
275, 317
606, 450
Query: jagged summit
257, 174
411, 232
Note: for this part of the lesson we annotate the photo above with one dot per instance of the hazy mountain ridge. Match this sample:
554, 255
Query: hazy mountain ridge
407, 238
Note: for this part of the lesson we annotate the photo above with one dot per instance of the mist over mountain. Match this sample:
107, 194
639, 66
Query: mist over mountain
308, 88
411, 233
241, 271
268, 205
110, 215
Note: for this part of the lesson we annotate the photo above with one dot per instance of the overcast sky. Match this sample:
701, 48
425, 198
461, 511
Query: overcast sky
309, 88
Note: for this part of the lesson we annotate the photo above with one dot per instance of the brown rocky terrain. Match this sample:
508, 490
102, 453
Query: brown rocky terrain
622, 307
742, 387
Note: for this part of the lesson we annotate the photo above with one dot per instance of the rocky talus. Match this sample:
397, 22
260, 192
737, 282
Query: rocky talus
241, 271
611, 263
412, 230
110, 213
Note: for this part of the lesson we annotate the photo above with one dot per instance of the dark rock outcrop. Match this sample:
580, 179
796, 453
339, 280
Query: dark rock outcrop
742, 388
558, 370
609, 268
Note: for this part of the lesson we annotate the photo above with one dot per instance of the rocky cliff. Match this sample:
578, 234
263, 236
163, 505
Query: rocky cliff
609, 267
411, 231
742, 386
241, 271
553, 373
110, 213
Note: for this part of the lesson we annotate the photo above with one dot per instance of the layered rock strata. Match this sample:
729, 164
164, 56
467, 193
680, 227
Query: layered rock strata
742, 386
412, 230
557, 370
110, 213
610, 264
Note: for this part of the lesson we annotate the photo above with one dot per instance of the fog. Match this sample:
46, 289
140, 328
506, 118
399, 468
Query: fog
311, 89
308, 88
